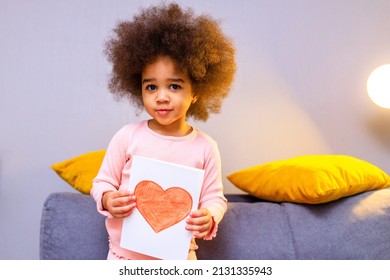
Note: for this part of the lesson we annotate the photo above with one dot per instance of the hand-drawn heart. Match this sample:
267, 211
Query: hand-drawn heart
162, 209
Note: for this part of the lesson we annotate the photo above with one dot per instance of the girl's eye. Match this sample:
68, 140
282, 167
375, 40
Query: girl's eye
175, 87
151, 87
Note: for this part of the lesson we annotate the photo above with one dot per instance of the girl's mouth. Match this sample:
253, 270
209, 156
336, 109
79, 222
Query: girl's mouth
163, 111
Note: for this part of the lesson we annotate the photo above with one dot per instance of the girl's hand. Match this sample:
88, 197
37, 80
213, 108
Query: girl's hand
200, 222
120, 203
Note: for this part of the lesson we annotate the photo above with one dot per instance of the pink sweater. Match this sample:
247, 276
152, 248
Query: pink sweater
195, 150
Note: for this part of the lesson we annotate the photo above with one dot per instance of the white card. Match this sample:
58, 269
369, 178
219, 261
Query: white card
167, 192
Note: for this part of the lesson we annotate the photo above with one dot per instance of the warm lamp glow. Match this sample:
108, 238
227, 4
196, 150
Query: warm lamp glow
378, 86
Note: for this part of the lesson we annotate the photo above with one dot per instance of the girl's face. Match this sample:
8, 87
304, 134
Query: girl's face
167, 95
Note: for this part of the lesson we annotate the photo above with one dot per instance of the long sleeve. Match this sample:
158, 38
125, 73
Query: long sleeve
109, 177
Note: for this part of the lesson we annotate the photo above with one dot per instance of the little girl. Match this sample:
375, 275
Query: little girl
174, 65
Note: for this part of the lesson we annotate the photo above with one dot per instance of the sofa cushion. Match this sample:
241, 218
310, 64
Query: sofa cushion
72, 229
79, 171
356, 227
250, 231
310, 179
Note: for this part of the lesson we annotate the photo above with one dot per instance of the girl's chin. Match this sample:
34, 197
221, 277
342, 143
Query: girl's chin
162, 123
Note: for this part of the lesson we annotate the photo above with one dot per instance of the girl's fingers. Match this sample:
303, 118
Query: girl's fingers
122, 201
123, 211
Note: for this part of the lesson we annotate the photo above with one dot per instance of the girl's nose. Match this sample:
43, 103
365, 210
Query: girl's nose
162, 96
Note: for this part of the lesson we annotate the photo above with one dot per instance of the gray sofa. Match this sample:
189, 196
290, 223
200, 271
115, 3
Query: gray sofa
355, 227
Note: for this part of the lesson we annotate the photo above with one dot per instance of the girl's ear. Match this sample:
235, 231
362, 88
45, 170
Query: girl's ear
194, 99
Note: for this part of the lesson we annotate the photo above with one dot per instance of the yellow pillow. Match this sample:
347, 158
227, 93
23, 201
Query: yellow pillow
310, 179
81, 170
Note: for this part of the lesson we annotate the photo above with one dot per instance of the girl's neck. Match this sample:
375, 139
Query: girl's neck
176, 129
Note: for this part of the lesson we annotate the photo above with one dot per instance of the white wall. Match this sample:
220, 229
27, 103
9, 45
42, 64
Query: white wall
300, 89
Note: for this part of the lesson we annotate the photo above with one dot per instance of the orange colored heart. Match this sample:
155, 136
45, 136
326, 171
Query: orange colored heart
162, 208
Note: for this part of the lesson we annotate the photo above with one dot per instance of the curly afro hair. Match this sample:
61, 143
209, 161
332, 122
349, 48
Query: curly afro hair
195, 43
